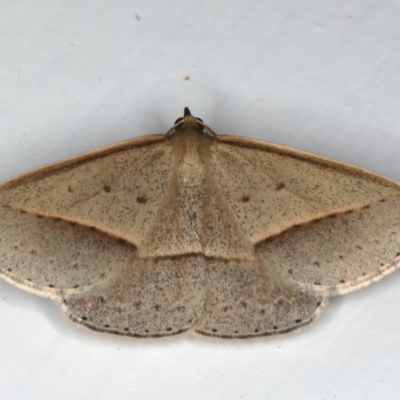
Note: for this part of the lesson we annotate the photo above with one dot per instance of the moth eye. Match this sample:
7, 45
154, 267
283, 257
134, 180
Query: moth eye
200, 124
178, 120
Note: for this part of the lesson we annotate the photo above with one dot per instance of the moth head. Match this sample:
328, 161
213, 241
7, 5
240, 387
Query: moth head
189, 121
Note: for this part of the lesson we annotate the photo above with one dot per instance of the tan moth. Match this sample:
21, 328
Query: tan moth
189, 230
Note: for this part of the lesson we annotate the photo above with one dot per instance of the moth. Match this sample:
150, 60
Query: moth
223, 235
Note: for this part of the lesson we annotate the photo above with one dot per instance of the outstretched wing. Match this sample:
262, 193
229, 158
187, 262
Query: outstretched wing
150, 298
116, 189
321, 223
246, 298
72, 231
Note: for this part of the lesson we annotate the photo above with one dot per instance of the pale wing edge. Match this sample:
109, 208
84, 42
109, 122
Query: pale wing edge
305, 156
81, 159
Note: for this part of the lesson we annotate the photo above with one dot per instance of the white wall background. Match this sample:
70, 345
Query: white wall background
322, 76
